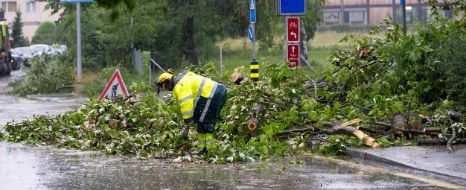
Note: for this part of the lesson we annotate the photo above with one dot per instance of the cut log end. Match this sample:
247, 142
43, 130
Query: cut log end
252, 124
236, 77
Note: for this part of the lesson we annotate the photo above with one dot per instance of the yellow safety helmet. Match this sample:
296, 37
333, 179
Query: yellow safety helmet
165, 76
164, 79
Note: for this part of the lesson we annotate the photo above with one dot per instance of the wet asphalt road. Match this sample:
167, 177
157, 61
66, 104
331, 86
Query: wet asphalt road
15, 108
23, 167
37, 167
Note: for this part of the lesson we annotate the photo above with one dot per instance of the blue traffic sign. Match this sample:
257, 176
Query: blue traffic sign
250, 33
252, 14
76, 1
402, 2
252, 11
291, 7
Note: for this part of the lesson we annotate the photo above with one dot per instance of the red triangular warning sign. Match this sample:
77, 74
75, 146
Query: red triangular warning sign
115, 86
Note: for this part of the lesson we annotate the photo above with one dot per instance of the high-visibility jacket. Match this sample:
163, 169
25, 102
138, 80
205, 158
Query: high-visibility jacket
189, 88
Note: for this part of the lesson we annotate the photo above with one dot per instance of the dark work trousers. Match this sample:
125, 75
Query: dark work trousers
213, 112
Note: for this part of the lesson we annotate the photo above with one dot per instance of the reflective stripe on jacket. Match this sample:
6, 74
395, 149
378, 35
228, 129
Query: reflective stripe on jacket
189, 87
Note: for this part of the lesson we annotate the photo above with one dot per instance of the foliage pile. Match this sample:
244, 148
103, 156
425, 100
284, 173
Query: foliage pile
148, 127
47, 74
292, 119
145, 128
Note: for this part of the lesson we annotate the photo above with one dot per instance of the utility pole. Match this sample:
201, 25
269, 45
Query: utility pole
78, 51
78, 35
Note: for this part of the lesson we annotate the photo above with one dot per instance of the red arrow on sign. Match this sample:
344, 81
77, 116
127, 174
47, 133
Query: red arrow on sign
293, 55
117, 85
292, 29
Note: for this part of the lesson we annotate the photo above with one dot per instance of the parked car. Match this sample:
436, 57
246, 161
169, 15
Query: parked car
21, 55
39, 49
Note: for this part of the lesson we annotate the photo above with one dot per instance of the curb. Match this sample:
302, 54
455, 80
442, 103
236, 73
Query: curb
361, 154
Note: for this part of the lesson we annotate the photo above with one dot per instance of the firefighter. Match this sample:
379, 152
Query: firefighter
201, 100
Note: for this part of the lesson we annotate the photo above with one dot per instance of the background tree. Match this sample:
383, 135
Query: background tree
45, 34
17, 30
175, 31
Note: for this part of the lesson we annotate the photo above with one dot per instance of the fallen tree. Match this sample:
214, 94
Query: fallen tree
375, 97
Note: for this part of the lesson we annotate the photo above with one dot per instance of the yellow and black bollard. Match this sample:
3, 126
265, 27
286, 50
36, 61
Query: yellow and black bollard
254, 70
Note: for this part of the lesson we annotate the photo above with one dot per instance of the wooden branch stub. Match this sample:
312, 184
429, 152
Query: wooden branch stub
236, 77
352, 122
368, 141
399, 122
252, 124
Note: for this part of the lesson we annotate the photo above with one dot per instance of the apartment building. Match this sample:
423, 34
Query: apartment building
364, 12
33, 14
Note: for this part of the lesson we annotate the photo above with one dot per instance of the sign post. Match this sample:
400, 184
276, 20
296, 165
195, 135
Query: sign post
115, 86
292, 35
288, 8
254, 74
293, 55
78, 35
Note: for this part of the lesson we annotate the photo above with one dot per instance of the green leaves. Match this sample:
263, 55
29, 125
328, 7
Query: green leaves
115, 127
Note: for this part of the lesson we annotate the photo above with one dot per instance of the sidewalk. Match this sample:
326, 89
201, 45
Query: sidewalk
434, 159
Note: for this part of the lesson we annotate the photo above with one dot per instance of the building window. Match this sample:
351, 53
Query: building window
31, 7
355, 16
9, 6
331, 17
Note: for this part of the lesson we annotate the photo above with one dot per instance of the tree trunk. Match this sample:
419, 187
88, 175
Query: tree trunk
303, 45
190, 51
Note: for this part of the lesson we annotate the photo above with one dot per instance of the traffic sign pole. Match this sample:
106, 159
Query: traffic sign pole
254, 67
254, 56
78, 51
252, 19
78, 35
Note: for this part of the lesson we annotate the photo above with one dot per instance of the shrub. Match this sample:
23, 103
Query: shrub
46, 75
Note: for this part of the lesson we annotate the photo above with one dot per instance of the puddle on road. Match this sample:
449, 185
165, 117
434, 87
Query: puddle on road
17, 109
23, 167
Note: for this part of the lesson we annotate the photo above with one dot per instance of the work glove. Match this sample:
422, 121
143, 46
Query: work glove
184, 135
